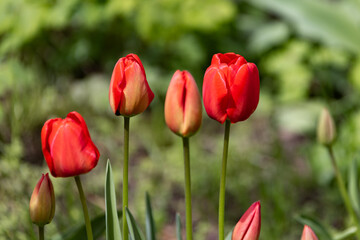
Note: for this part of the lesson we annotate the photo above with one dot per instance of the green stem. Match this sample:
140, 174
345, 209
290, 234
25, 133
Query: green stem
187, 188
125, 176
41, 233
223, 181
85, 209
343, 191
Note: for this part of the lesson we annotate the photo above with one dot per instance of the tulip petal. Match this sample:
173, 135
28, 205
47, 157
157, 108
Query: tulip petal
183, 111
67, 146
308, 234
45, 132
226, 58
116, 87
174, 103
192, 105
42, 202
137, 59
137, 93
76, 117
215, 94
244, 93
248, 227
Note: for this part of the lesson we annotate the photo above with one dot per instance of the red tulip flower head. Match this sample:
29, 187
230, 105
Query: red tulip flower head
231, 88
248, 227
308, 234
42, 202
129, 92
67, 146
183, 111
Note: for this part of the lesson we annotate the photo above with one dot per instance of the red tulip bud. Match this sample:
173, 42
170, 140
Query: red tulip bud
183, 111
67, 146
129, 92
308, 234
231, 88
248, 227
42, 202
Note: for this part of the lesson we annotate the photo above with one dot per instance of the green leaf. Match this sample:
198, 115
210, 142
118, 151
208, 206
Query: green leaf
354, 186
113, 231
150, 225
319, 20
134, 230
228, 237
346, 234
79, 232
321, 231
178, 227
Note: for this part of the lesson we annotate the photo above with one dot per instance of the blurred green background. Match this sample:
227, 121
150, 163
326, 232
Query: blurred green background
57, 56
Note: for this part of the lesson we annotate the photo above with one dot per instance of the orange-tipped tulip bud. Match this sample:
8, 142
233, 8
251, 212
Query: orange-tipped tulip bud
248, 227
129, 92
42, 202
308, 234
326, 131
183, 111
231, 88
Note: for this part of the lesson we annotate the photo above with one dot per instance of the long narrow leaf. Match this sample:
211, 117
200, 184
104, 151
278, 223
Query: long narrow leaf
113, 231
354, 186
321, 231
346, 234
228, 237
318, 20
150, 225
178, 227
79, 232
134, 230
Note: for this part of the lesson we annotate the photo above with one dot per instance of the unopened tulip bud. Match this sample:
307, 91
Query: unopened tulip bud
248, 227
308, 234
183, 111
326, 131
42, 202
129, 92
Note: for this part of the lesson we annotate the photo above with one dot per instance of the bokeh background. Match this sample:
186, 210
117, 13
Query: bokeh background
57, 56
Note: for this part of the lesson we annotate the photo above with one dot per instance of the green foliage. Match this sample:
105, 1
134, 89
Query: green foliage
112, 220
229, 235
57, 56
353, 187
178, 226
150, 224
319, 20
79, 232
134, 230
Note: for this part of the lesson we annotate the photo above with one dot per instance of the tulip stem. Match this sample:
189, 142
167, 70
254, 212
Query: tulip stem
41, 233
343, 191
223, 181
187, 188
85, 209
125, 175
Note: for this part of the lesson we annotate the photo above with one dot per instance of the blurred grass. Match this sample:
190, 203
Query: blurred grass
57, 57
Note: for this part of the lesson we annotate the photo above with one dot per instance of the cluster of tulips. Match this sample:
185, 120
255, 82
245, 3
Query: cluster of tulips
231, 89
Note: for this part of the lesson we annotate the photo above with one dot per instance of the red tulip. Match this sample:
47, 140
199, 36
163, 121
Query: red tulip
231, 88
129, 92
248, 227
308, 234
67, 146
42, 202
183, 111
